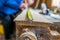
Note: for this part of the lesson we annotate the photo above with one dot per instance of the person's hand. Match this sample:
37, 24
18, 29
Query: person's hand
23, 6
26, 4
30, 2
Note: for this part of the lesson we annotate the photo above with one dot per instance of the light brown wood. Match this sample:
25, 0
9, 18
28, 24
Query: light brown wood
36, 17
44, 1
48, 3
38, 21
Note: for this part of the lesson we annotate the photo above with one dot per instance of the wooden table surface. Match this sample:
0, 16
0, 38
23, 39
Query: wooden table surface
38, 19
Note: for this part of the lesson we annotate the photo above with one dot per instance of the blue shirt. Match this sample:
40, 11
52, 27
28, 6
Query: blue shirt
9, 7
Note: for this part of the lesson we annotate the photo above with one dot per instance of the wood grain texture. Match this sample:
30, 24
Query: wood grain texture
38, 21
36, 17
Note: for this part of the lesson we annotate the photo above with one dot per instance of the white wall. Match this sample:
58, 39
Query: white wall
55, 2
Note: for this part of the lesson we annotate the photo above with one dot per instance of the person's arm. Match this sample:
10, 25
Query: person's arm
14, 4
1, 3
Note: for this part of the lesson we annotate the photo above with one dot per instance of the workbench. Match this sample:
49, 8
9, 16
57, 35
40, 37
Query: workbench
38, 21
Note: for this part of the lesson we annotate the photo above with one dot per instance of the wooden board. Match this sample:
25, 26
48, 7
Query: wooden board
21, 17
36, 17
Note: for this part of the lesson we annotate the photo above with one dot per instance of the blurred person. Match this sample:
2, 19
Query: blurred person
8, 10
44, 8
